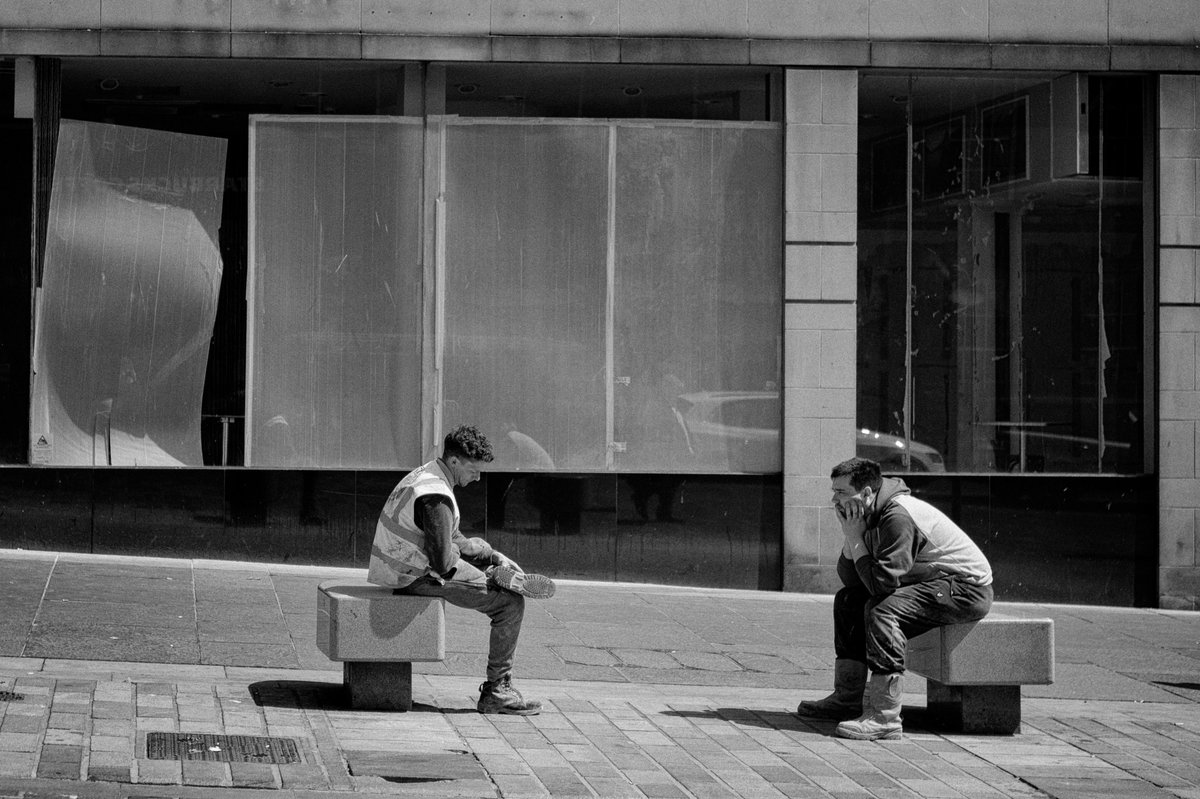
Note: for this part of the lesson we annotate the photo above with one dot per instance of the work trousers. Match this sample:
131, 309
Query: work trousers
876, 630
468, 588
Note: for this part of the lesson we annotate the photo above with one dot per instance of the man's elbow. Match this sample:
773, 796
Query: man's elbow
448, 560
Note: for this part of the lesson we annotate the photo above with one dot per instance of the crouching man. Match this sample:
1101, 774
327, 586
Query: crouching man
906, 568
418, 549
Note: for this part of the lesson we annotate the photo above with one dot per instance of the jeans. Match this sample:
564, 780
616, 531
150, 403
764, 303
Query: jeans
875, 630
468, 588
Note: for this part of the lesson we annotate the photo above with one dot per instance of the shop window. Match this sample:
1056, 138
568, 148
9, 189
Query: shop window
602, 296
336, 288
613, 293
128, 297
405, 246
1002, 274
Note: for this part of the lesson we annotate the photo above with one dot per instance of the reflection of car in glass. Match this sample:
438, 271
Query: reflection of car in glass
737, 430
888, 451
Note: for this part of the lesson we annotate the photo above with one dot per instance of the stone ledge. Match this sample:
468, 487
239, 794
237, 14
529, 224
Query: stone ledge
361, 622
996, 650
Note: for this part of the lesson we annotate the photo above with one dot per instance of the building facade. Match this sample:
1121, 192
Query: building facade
676, 258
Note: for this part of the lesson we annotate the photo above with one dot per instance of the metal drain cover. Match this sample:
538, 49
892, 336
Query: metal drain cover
9, 696
223, 748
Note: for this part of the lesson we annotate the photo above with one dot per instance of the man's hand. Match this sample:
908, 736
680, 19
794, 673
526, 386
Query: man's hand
500, 559
852, 514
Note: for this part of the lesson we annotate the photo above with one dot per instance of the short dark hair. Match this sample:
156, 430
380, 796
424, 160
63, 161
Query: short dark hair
467, 442
862, 472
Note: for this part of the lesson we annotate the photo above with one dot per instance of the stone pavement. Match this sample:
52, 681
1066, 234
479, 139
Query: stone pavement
118, 674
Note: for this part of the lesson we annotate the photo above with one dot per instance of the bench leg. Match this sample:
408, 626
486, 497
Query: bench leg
378, 686
975, 708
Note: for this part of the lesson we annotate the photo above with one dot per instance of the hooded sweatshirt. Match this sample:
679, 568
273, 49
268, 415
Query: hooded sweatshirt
910, 541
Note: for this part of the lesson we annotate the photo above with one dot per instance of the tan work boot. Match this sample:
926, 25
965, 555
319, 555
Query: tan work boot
881, 711
846, 701
501, 697
534, 586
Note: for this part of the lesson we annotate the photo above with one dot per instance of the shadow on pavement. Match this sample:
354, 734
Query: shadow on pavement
322, 696
766, 719
300, 693
1187, 686
916, 719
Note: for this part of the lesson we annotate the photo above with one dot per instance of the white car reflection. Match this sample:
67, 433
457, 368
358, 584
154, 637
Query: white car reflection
739, 430
889, 451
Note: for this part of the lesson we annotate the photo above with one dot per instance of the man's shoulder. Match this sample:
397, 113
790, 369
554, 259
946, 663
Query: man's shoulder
900, 509
426, 475
424, 480
914, 506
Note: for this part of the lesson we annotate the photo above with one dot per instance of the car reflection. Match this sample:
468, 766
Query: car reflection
896, 454
735, 430
739, 430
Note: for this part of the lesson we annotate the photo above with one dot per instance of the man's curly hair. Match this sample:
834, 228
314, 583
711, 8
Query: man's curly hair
466, 441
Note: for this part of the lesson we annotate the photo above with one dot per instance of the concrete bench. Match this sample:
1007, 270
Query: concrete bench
378, 635
975, 671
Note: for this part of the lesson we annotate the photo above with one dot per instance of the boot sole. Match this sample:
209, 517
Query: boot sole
533, 586
505, 711
890, 735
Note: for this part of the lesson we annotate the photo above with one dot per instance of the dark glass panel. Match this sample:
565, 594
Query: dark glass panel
46, 509
721, 531
1078, 539
15, 197
1002, 315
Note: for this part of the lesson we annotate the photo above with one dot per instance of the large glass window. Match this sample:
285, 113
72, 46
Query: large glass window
585, 260
613, 294
604, 295
1002, 268
526, 252
128, 297
335, 356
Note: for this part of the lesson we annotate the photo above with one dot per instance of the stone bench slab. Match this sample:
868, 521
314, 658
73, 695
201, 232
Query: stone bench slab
378, 635
975, 671
994, 651
361, 622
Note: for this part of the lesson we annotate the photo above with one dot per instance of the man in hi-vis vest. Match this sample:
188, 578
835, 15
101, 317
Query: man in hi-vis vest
418, 549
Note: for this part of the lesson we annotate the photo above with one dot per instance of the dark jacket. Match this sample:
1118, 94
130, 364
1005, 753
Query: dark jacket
910, 541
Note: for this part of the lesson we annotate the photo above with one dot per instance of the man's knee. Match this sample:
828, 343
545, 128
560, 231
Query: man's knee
849, 600
509, 608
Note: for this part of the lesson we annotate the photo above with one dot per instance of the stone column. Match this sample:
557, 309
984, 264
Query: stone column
820, 288
1179, 341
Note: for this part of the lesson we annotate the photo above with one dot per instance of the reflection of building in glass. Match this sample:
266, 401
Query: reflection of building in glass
1019, 296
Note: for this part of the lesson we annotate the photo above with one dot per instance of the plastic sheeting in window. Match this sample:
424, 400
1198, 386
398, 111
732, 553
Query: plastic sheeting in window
128, 297
614, 294
698, 301
526, 276
336, 277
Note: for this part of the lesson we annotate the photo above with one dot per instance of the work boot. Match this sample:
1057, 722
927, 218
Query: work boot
501, 697
881, 711
534, 586
846, 701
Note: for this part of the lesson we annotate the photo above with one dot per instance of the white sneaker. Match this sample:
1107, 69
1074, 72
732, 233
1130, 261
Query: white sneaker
534, 586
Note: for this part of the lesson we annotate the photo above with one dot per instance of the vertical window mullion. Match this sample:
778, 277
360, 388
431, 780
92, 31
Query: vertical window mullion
908, 277
609, 299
